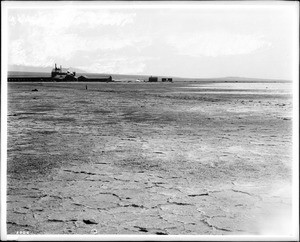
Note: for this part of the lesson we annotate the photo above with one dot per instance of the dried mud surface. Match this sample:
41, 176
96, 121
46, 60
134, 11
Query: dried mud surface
147, 159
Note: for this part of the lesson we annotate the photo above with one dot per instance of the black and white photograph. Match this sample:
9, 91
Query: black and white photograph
154, 120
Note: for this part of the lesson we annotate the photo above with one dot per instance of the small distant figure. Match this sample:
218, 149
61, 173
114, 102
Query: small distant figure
85, 87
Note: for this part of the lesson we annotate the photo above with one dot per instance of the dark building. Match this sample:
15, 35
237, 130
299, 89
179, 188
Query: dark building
63, 74
167, 80
61, 71
20, 76
153, 79
94, 79
28, 79
70, 78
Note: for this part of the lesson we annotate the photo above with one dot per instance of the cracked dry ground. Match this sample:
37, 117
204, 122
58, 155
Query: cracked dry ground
146, 159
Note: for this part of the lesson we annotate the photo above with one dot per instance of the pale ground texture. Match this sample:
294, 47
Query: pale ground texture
142, 158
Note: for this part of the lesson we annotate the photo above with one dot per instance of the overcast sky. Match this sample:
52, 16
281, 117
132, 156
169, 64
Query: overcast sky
197, 41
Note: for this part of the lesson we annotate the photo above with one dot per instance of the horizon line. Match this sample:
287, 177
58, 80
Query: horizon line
181, 77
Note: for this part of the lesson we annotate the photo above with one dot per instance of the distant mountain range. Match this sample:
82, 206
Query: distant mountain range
48, 69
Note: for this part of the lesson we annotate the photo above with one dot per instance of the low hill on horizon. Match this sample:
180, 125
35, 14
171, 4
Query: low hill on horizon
38, 69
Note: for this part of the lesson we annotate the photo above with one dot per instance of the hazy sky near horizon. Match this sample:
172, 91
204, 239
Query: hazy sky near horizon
201, 41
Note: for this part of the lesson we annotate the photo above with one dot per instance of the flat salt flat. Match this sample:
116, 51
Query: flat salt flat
285, 86
149, 158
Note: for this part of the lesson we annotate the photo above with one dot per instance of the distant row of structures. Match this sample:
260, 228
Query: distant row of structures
62, 74
155, 79
59, 74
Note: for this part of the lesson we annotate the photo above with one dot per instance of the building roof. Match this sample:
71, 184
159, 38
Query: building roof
12, 74
94, 76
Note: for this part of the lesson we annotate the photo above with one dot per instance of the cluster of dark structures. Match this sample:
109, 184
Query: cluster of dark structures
59, 74
167, 80
164, 79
